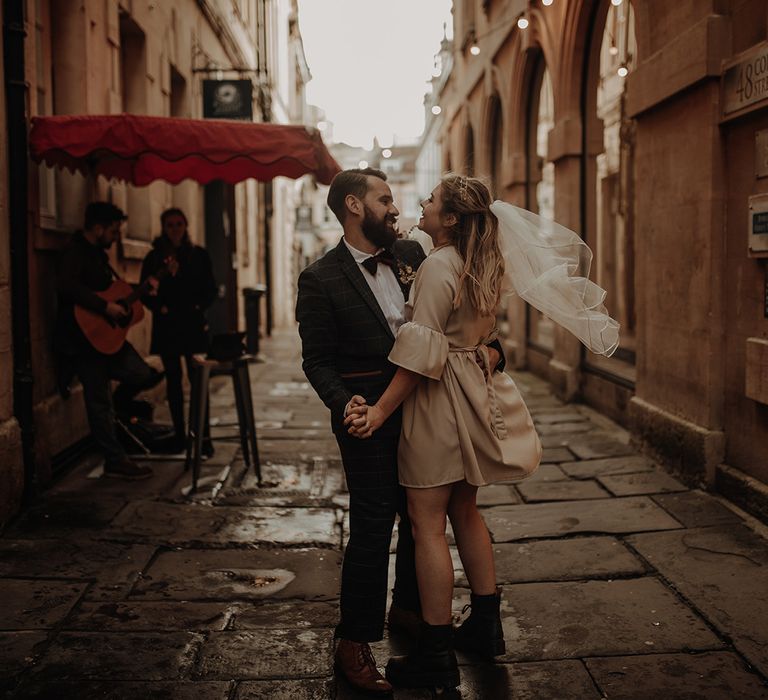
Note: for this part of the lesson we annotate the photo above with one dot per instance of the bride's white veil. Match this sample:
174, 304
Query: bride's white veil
548, 266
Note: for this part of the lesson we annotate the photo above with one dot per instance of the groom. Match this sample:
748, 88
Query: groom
350, 305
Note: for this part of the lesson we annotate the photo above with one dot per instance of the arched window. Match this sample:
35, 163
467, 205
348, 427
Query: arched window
495, 146
610, 176
540, 193
469, 151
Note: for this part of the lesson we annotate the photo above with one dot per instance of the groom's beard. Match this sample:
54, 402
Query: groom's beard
381, 232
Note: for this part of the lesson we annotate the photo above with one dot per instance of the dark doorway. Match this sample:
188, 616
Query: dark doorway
221, 242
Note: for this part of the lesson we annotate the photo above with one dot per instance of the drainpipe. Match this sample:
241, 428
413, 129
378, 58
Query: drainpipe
16, 89
265, 104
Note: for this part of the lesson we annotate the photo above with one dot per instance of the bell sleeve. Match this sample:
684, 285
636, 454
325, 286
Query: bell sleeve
421, 345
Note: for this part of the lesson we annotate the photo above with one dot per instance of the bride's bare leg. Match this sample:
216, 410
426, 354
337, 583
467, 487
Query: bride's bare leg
472, 539
427, 510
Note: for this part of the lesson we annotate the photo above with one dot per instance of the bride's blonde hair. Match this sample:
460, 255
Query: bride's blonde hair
476, 236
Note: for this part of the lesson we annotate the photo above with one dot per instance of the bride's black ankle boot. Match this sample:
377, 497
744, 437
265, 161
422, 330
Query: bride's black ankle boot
482, 633
432, 665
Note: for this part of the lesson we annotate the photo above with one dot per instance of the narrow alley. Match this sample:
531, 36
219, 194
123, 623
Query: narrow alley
619, 581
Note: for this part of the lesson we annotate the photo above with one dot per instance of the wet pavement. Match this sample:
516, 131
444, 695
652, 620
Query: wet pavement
619, 581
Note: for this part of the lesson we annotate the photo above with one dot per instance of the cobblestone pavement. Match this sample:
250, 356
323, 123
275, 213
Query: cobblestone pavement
619, 581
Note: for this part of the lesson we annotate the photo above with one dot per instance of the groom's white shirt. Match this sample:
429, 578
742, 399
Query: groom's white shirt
384, 287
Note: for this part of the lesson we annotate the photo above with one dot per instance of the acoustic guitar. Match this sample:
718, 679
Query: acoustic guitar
105, 334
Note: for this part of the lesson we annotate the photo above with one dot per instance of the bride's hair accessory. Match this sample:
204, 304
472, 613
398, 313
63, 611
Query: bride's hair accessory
463, 183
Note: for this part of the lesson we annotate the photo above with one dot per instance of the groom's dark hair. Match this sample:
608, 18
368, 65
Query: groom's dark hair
353, 181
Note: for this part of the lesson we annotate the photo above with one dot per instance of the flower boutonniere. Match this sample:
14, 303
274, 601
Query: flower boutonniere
405, 273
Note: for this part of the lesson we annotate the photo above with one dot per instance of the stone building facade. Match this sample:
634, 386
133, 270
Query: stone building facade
143, 57
641, 124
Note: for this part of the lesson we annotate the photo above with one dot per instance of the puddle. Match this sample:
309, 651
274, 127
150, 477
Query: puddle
263, 581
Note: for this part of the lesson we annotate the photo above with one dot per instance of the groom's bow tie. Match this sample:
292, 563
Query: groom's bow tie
385, 257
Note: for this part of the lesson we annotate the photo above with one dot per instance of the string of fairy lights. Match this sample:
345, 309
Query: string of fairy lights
522, 23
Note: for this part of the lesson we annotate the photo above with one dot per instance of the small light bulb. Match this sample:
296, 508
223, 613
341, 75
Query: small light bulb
615, 3
623, 72
363, 164
614, 50
437, 109
522, 23
547, 2
386, 153
474, 50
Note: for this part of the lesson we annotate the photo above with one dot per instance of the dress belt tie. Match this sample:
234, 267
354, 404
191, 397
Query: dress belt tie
497, 424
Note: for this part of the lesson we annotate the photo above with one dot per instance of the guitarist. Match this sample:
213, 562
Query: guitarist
84, 270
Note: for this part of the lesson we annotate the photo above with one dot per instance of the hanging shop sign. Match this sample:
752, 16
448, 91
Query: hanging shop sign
228, 99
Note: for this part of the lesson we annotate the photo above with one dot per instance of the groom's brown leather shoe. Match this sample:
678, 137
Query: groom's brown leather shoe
354, 660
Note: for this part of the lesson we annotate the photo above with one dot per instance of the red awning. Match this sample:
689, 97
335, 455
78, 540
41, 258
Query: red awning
140, 149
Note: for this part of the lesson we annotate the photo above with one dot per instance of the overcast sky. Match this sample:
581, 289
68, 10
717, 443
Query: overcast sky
370, 62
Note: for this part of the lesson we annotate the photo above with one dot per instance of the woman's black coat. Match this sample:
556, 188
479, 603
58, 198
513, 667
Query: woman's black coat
179, 326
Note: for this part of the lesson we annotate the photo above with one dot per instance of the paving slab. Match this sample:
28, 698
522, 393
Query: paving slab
563, 680
175, 523
553, 455
321, 477
124, 690
237, 574
285, 475
311, 689
130, 657
611, 516
559, 416
19, 650
641, 484
497, 494
137, 616
562, 560
707, 676
293, 615
551, 442
591, 468
597, 446
723, 572
113, 568
598, 618
280, 450
564, 428
546, 472
543, 402
540, 491
697, 509
64, 516
267, 654
28, 604
88, 479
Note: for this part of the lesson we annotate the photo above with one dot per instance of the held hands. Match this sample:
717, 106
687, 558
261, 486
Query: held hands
493, 358
363, 420
115, 311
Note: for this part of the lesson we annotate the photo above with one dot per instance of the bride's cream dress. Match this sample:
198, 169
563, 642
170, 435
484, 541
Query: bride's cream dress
461, 422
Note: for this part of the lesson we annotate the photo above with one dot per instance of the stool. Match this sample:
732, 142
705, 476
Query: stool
202, 370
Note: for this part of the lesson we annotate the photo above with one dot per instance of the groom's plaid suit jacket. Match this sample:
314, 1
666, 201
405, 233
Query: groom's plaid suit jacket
345, 337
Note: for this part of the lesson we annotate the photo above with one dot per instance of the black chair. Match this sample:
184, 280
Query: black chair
202, 370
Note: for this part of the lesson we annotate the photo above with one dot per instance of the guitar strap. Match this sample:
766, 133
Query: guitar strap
113, 271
